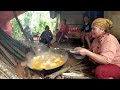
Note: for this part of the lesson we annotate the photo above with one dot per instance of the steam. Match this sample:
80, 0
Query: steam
43, 51
39, 49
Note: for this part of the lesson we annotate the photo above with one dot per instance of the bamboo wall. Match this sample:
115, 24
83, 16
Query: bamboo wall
74, 18
115, 17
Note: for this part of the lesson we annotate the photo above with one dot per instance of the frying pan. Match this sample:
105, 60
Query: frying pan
51, 70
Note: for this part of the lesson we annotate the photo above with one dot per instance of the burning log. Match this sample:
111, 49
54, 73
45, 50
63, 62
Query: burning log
78, 67
53, 75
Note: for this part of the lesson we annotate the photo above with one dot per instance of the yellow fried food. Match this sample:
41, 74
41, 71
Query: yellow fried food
47, 62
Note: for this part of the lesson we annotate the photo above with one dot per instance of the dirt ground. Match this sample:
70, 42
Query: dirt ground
24, 72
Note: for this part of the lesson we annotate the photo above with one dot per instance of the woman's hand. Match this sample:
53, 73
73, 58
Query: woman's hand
81, 51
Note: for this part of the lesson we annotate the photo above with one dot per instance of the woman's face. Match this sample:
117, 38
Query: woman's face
86, 19
63, 22
96, 32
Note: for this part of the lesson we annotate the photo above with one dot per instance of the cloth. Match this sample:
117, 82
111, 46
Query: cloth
109, 47
86, 28
64, 28
7, 27
102, 23
107, 71
63, 31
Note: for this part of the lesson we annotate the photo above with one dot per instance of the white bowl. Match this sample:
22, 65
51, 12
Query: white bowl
77, 56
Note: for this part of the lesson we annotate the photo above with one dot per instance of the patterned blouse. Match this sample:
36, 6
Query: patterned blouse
109, 47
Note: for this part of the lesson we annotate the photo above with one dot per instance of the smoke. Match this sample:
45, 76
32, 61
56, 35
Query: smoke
44, 53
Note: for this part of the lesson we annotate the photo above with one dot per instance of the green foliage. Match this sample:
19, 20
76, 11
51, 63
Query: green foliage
16, 29
37, 20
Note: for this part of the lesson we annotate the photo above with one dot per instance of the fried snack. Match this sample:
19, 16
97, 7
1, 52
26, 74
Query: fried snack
47, 62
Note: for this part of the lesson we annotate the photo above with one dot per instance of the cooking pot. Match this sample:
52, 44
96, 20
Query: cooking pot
49, 70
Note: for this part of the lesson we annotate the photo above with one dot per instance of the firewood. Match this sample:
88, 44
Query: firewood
53, 75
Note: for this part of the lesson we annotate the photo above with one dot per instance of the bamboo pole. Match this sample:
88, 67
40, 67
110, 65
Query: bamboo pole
12, 41
14, 12
32, 48
11, 50
8, 55
16, 49
5, 59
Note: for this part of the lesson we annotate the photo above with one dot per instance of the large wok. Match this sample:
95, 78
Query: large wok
47, 71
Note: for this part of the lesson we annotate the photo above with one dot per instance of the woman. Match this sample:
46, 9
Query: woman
63, 31
46, 36
105, 50
85, 31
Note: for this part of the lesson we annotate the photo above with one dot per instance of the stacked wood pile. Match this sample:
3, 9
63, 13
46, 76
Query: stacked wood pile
12, 51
